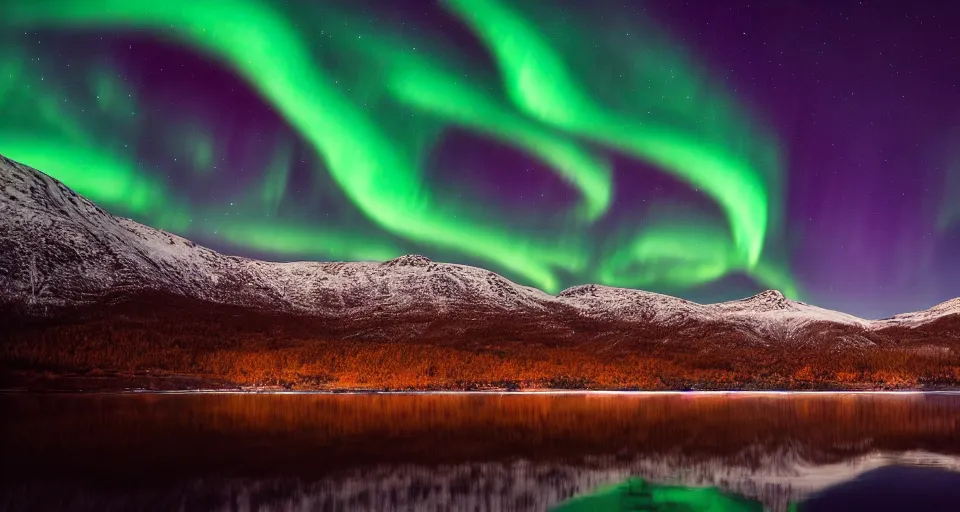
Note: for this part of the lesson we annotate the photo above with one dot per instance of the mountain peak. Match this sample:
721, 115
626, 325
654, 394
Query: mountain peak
580, 290
763, 302
770, 297
409, 260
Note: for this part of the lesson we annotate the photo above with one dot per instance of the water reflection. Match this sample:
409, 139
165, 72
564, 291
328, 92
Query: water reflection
891, 488
637, 494
442, 452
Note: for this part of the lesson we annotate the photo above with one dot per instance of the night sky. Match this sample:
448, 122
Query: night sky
705, 149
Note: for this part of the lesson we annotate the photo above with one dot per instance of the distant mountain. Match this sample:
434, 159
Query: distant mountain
60, 254
59, 249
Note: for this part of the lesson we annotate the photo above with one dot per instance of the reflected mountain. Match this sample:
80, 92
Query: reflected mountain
509, 452
892, 488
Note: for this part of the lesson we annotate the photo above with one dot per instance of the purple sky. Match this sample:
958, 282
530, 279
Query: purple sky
865, 98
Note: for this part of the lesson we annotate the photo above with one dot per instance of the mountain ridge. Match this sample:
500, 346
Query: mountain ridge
77, 234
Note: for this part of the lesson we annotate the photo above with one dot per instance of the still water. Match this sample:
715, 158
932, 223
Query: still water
470, 451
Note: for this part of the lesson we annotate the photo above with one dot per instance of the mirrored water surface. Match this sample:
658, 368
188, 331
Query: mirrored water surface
200, 451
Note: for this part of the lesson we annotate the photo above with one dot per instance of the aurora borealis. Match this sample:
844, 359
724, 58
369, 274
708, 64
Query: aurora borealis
703, 150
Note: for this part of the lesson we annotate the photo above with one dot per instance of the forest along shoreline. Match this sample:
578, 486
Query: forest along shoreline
105, 382
179, 344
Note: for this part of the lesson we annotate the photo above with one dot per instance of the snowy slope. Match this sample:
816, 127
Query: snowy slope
944, 309
768, 311
58, 249
772, 306
773, 316
604, 302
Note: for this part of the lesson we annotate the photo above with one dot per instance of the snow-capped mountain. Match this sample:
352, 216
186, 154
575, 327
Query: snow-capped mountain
944, 309
60, 251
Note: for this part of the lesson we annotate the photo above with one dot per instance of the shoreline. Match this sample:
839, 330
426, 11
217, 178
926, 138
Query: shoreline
479, 392
625, 394
544, 392
13, 381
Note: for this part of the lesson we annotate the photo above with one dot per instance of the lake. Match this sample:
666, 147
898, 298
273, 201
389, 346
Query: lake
509, 451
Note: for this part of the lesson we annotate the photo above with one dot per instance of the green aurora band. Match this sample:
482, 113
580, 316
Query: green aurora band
372, 108
539, 83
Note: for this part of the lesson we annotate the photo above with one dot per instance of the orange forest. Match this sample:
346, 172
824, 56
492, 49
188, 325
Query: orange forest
192, 344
